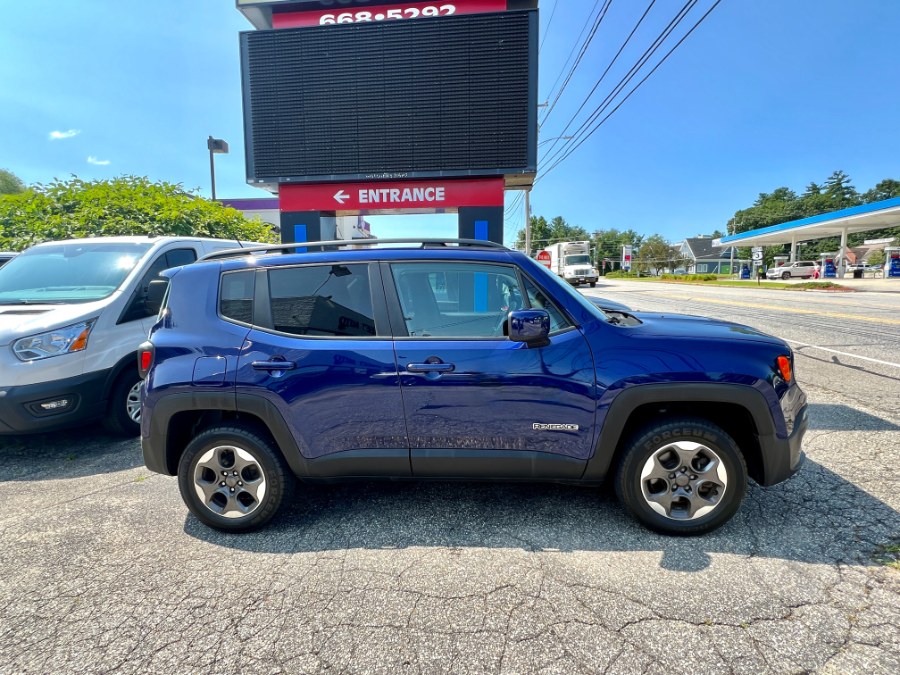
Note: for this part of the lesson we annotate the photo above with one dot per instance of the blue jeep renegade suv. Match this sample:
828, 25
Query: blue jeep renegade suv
451, 360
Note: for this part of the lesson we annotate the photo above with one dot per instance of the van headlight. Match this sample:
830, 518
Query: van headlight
54, 342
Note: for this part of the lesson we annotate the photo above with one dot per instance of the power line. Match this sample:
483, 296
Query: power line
578, 144
584, 48
599, 81
547, 27
623, 82
572, 51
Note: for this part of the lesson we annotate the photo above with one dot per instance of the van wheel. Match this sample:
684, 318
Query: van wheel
682, 477
785, 275
233, 479
123, 416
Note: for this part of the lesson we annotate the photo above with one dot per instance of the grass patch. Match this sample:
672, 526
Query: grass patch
889, 556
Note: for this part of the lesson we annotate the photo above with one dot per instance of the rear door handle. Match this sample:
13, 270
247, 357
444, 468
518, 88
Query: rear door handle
430, 367
273, 365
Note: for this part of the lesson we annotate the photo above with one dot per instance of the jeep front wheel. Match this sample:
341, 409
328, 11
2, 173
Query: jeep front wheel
682, 477
232, 479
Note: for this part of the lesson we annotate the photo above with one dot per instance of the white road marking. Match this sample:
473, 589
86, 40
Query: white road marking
835, 351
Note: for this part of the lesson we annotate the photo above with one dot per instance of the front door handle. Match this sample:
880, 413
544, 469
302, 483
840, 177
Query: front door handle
273, 365
430, 367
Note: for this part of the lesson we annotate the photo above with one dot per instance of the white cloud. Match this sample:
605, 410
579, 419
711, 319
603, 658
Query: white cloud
97, 162
58, 135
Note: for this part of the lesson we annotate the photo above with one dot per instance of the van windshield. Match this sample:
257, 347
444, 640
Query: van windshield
68, 273
578, 260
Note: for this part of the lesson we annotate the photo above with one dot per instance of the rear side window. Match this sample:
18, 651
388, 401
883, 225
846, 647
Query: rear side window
236, 296
322, 300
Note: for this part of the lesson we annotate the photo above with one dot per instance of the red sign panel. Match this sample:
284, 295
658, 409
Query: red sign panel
389, 11
392, 195
544, 258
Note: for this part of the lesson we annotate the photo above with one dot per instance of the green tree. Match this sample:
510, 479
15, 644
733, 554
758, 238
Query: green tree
886, 189
10, 183
128, 205
877, 257
654, 254
607, 245
543, 233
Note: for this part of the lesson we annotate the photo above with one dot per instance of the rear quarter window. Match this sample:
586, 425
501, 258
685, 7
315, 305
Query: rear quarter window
236, 296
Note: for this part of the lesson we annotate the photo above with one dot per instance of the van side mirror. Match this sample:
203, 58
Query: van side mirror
156, 291
531, 326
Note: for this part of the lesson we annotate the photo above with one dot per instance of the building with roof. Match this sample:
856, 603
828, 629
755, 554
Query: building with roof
864, 218
698, 255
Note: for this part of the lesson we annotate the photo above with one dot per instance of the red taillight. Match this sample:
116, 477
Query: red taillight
784, 366
145, 359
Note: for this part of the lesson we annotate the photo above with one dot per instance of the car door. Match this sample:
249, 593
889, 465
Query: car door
476, 403
323, 355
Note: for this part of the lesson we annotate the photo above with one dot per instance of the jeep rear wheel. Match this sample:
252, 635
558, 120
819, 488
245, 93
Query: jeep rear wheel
232, 479
682, 477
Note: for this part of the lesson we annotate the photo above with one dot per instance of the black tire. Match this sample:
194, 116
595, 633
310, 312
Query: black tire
593, 284
202, 464
657, 440
121, 417
785, 275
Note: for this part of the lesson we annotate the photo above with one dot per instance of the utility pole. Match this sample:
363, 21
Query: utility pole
527, 223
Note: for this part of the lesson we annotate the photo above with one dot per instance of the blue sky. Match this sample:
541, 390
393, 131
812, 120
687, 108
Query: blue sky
764, 93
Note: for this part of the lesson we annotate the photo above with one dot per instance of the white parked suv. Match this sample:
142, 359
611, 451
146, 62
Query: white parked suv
802, 268
72, 314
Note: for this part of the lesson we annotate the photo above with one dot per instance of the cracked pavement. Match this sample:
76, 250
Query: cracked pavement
103, 570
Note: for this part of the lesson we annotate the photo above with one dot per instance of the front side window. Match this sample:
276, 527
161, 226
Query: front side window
456, 300
537, 299
322, 300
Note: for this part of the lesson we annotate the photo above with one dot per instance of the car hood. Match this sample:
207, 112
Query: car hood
18, 321
700, 327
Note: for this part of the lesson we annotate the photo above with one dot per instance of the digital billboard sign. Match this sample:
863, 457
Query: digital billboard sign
449, 96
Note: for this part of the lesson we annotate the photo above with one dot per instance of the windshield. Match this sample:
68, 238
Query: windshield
549, 278
68, 273
578, 260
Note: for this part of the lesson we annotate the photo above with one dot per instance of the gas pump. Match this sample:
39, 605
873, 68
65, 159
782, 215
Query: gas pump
827, 262
892, 262
780, 260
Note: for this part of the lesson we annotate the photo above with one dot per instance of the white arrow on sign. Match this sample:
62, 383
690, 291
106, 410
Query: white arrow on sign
340, 196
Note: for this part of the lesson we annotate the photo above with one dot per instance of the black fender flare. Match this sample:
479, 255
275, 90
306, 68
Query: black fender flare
631, 398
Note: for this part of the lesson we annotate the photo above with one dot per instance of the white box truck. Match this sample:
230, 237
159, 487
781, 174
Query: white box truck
572, 261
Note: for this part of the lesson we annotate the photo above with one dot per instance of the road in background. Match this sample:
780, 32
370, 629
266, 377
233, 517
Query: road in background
847, 343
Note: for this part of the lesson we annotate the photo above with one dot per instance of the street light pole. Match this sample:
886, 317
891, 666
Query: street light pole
216, 146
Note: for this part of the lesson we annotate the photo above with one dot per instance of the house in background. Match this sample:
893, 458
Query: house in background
698, 256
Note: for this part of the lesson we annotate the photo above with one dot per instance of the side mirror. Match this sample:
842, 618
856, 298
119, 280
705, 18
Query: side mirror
155, 294
531, 326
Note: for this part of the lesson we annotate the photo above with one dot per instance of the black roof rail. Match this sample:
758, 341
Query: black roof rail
322, 245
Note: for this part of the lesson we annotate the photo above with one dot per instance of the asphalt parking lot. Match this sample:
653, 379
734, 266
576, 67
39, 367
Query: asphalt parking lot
103, 570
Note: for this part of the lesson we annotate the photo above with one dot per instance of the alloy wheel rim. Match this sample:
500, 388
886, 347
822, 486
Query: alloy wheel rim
133, 403
684, 480
229, 481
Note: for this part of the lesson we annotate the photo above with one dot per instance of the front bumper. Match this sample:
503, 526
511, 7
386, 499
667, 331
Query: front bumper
783, 457
21, 411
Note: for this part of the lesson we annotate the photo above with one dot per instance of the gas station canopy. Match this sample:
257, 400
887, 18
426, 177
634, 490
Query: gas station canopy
872, 216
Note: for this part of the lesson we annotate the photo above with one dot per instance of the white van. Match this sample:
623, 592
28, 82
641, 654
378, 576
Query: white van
72, 314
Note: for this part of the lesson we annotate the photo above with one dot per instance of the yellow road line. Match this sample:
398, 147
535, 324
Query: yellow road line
789, 310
